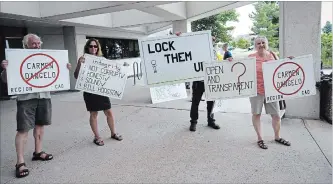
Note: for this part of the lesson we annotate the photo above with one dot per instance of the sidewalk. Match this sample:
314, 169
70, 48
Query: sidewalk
159, 148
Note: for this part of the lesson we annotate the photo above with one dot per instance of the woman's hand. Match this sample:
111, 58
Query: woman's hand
69, 66
82, 59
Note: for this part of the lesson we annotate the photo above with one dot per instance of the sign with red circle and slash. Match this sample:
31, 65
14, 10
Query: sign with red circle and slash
287, 79
39, 66
32, 70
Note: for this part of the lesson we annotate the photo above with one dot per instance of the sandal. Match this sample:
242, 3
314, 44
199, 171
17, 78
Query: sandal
117, 137
283, 141
261, 144
98, 141
37, 156
23, 173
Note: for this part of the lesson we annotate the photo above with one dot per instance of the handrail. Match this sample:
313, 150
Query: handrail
136, 72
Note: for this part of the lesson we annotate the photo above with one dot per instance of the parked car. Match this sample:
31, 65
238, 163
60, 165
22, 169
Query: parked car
250, 48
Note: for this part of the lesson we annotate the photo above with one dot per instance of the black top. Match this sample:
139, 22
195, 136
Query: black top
227, 55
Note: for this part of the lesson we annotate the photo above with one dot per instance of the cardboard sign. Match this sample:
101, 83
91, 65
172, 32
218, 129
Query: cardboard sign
32, 70
168, 93
227, 80
127, 69
288, 79
175, 59
102, 77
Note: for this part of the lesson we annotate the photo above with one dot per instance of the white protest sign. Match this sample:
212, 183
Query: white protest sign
32, 70
168, 93
227, 80
288, 79
175, 59
102, 77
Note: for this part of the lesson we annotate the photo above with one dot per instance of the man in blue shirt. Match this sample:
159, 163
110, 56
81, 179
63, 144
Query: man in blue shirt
227, 54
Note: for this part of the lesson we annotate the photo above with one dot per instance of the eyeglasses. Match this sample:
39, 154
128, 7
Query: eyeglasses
93, 46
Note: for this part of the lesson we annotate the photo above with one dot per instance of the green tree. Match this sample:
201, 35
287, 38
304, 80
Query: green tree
217, 24
327, 28
243, 43
266, 21
326, 49
233, 43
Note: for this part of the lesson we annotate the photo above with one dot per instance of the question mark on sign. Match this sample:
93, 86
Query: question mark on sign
240, 74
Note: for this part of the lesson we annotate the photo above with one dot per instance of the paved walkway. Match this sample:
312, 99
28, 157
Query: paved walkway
159, 148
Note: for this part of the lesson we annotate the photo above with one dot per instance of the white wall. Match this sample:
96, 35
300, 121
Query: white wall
26, 8
52, 37
161, 33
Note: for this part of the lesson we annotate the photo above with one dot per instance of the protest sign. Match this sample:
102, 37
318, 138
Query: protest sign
227, 80
175, 59
168, 93
102, 77
32, 70
288, 79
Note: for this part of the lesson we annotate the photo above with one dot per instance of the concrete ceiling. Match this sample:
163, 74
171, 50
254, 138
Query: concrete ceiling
145, 17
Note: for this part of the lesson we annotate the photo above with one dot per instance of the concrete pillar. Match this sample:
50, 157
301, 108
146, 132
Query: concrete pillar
71, 46
300, 35
183, 26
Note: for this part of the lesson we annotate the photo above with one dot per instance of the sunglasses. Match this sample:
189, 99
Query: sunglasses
93, 46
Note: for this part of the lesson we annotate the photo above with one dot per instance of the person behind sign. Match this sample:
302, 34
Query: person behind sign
227, 54
95, 103
34, 111
198, 88
264, 55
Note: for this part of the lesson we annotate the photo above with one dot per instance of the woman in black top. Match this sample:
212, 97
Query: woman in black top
95, 103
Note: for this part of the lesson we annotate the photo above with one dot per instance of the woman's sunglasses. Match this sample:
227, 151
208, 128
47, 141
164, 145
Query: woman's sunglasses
93, 46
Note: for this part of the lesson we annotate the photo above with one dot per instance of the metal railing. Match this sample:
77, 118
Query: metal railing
137, 72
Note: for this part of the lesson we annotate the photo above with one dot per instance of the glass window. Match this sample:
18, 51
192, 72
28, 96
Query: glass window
119, 48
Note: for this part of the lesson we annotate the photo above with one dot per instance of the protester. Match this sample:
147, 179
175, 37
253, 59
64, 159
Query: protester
227, 54
198, 88
34, 111
95, 103
264, 55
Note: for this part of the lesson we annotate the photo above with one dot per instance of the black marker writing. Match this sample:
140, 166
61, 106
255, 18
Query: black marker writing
159, 47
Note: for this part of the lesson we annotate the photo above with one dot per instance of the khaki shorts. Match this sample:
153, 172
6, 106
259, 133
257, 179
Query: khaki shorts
33, 112
258, 101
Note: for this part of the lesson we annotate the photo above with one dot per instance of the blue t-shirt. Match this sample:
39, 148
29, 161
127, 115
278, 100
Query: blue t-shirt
227, 55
